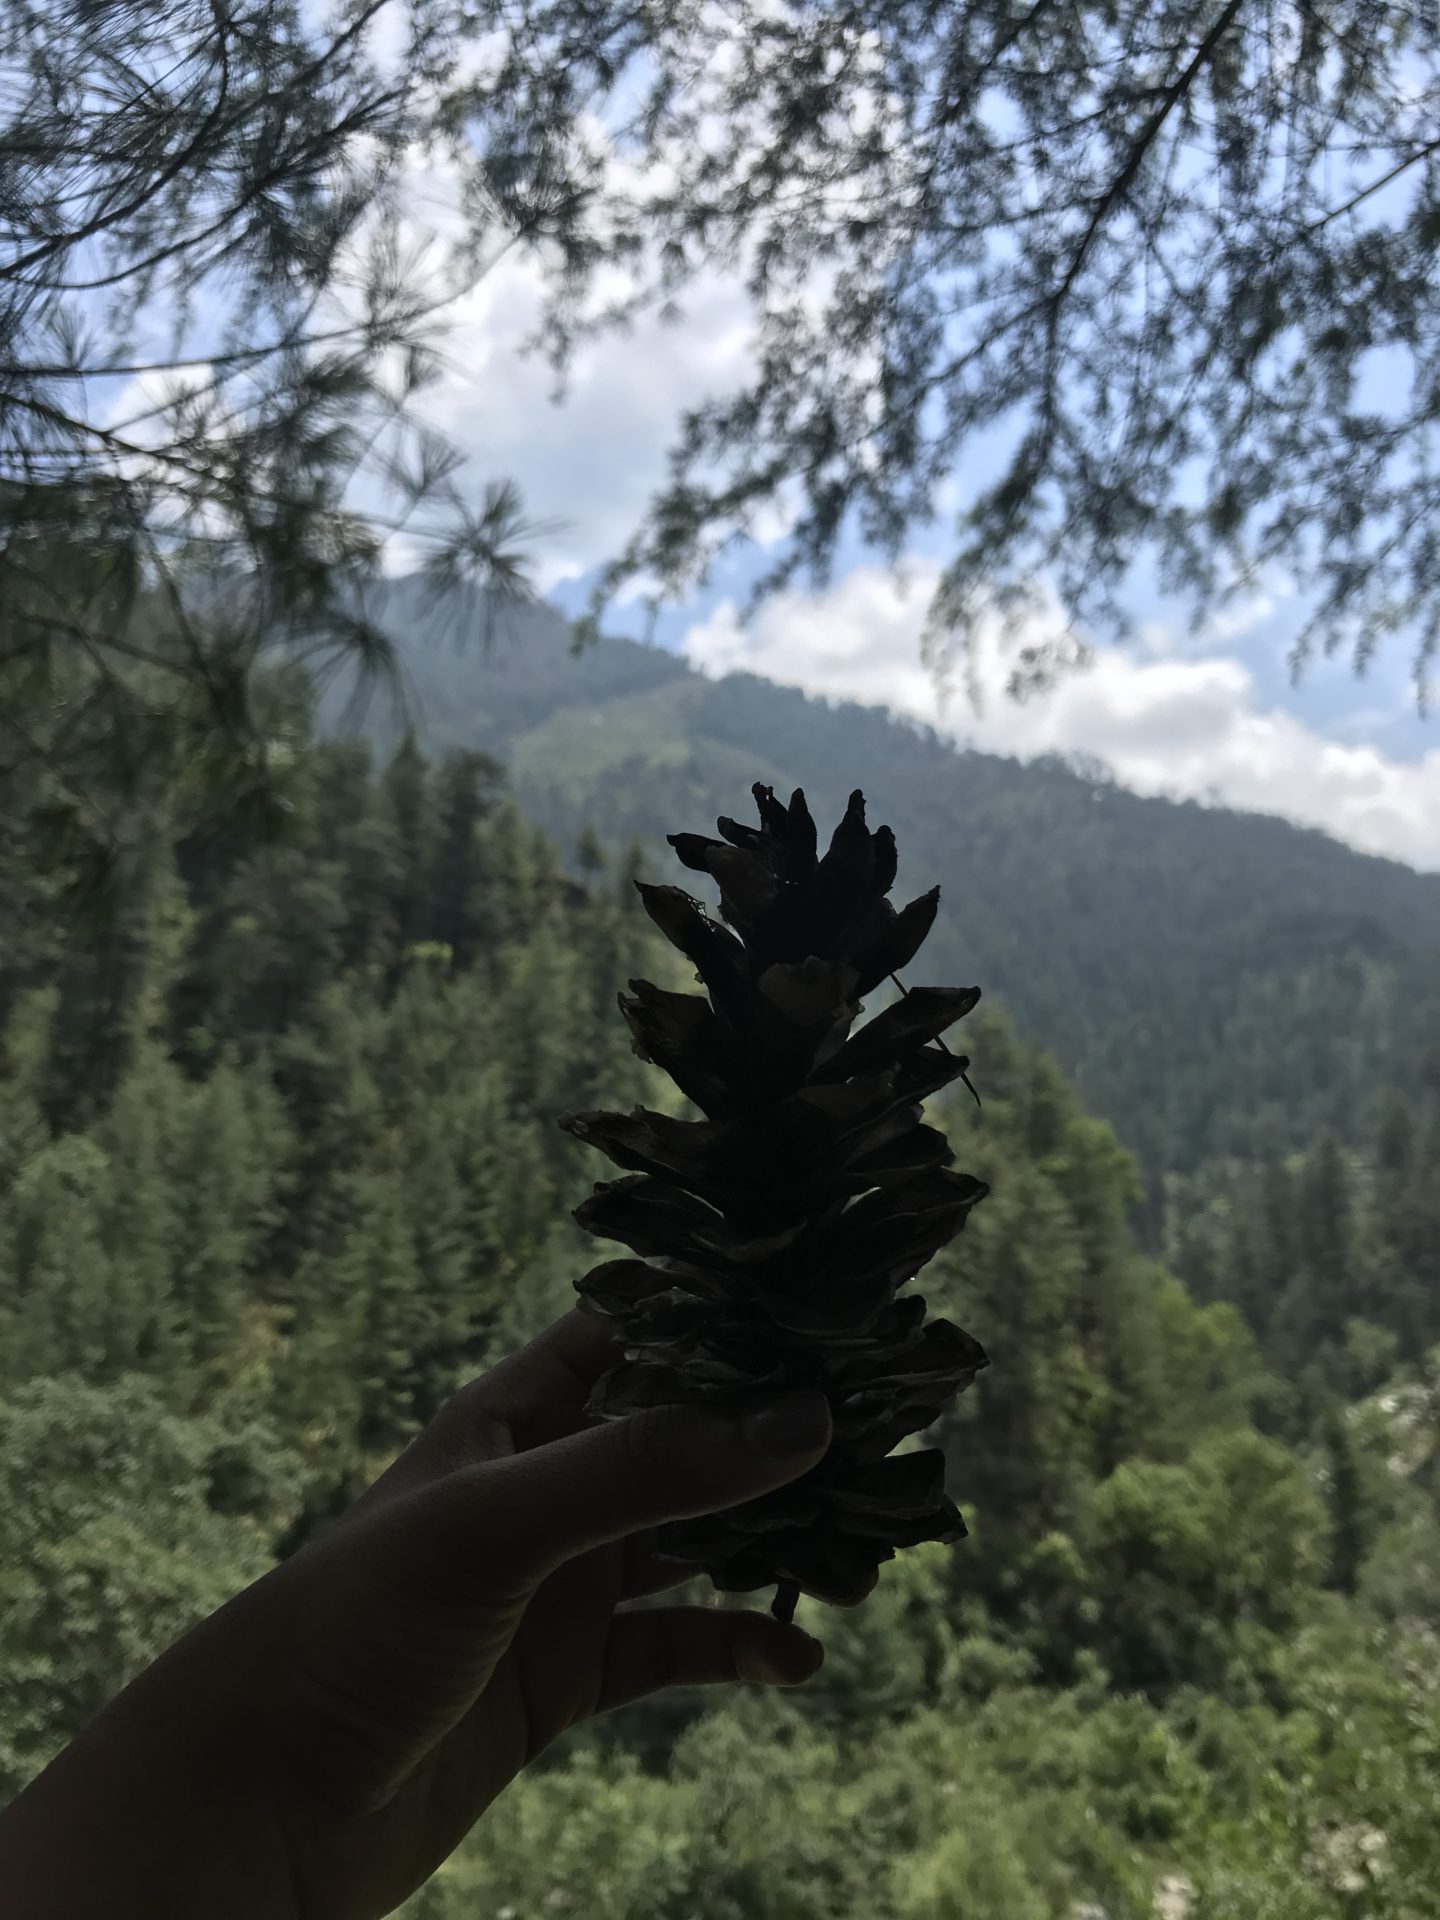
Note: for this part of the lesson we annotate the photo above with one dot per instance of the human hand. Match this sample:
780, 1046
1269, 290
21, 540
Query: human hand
315, 1749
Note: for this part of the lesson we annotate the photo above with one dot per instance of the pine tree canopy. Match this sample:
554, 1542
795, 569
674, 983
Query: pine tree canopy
215, 316
1135, 276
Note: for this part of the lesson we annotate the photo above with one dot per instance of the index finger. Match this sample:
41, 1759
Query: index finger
534, 1395
540, 1391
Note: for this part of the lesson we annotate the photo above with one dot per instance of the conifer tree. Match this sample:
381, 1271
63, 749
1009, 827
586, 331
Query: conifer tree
1350, 1529
411, 808
1325, 1238
64, 1316
507, 1190
590, 855
352, 832
439, 1211
215, 323
377, 1263
141, 1135
225, 1177
460, 909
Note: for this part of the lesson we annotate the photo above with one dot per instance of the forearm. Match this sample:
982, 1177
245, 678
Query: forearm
144, 1817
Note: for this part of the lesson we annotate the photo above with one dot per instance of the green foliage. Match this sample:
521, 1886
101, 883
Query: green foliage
113, 1540
329, 1151
1180, 1659
1193, 1564
975, 1874
1331, 1255
881, 1657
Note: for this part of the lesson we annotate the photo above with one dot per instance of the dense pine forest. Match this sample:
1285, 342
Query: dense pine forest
279, 1167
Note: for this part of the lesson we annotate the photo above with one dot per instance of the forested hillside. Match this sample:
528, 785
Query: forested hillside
1217, 984
295, 988
279, 1166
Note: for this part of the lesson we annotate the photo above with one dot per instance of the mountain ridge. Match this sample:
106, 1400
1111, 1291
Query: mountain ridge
1219, 984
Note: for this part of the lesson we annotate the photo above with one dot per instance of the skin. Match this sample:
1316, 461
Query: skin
315, 1749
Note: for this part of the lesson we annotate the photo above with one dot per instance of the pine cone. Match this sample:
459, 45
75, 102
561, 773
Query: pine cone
776, 1232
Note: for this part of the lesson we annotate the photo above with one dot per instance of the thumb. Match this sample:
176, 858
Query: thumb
542, 1508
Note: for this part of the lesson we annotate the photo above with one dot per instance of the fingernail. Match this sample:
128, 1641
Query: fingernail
758, 1663
793, 1423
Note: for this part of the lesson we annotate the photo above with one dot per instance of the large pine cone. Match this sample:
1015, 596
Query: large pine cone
776, 1232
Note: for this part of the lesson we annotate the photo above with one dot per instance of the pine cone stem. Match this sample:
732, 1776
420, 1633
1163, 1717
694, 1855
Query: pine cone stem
787, 1596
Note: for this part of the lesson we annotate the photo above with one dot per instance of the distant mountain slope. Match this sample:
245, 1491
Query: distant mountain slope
1218, 983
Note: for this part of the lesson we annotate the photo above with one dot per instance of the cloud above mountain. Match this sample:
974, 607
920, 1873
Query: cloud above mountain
1190, 724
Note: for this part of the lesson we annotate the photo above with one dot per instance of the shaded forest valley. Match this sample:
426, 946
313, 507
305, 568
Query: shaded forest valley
279, 1167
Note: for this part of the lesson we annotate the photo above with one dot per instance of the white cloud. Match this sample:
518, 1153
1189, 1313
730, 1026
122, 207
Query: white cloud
1242, 617
1189, 726
588, 466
